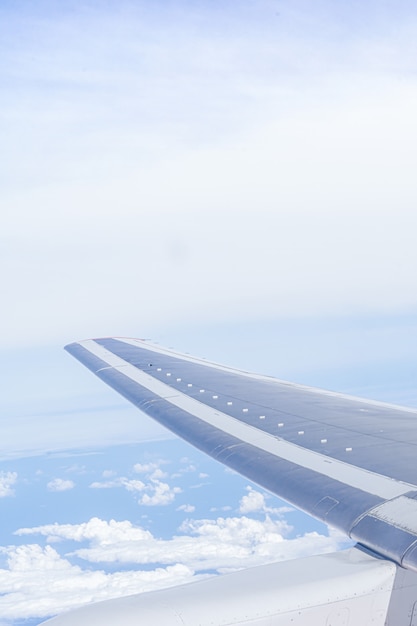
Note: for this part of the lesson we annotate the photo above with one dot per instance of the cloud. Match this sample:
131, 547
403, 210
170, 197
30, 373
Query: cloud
38, 582
186, 508
254, 502
108, 473
219, 545
148, 468
59, 484
7, 479
109, 484
262, 114
188, 469
224, 509
129, 485
153, 470
133, 485
77, 469
94, 530
158, 474
160, 494
223, 544
154, 491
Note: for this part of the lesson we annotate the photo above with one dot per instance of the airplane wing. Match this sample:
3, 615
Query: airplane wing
347, 461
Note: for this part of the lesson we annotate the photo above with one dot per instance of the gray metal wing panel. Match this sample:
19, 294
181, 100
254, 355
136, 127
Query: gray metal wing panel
336, 457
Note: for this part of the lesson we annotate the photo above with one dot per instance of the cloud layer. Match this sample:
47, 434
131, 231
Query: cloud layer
168, 537
217, 545
38, 582
168, 164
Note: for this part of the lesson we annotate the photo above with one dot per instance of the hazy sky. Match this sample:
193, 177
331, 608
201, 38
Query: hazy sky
182, 162
235, 179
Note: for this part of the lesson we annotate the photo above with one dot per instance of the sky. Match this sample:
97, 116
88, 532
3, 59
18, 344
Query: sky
233, 179
175, 161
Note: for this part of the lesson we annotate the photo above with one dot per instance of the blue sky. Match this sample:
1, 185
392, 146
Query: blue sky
233, 179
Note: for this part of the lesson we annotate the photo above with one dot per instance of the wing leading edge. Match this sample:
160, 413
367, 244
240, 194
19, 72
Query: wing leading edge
346, 461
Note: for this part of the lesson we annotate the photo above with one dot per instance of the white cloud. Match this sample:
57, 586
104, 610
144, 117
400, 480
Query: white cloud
223, 544
223, 509
104, 485
147, 468
38, 582
7, 479
188, 469
95, 529
134, 485
108, 473
218, 545
155, 492
158, 474
160, 494
186, 508
126, 483
254, 502
76, 469
153, 470
60, 484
